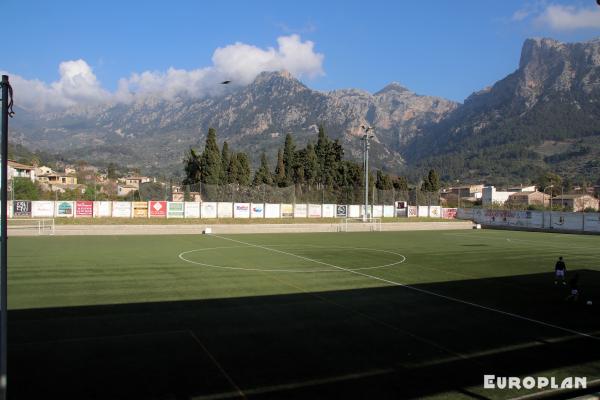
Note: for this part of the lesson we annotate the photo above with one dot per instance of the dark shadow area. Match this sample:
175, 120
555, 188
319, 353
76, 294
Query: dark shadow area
375, 343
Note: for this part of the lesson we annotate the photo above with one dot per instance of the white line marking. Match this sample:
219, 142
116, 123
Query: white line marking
239, 391
182, 254
377, 320
298, 385
517, 316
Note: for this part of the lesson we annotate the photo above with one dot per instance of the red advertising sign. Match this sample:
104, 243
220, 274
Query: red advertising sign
84, 208
449, 213
158, 209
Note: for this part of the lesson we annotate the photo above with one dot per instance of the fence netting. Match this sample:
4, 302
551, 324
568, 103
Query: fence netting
298, 194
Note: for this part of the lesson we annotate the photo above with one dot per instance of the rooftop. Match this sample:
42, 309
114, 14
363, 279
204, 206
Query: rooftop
570, 196
15, 164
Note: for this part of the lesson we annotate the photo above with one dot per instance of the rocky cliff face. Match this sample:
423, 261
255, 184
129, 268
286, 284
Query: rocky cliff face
553, 95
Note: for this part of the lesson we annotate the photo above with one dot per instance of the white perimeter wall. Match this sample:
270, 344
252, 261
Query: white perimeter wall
568, 221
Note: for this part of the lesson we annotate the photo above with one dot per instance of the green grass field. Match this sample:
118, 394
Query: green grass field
298, 316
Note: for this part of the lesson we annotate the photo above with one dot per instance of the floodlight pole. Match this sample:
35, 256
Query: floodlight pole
550, 187
366, 138
3, 234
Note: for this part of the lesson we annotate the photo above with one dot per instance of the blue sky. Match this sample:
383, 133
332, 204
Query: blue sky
443, 48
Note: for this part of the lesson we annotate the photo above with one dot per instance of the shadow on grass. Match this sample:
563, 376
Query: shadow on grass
376, 343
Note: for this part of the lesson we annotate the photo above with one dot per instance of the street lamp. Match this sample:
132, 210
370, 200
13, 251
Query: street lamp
366, 137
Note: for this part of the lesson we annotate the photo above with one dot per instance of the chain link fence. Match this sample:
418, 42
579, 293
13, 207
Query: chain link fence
299, 194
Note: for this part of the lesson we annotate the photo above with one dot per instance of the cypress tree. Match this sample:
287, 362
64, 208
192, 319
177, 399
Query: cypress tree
225, 156
280, 170
192, 168
434, 180
243, 169
299, 166
289, 152
210, 161
233, 170
263, 175
322, 151
311, 164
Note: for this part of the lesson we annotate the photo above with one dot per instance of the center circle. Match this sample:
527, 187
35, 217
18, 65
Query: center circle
280, 250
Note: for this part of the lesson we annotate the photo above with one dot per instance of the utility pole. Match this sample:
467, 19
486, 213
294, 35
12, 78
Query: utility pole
366, 137
6, 110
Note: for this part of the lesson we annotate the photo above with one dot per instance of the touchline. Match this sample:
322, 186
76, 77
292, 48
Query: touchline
530, 382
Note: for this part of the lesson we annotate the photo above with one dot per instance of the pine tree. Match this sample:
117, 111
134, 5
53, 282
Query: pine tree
384, 182
289, 152
210, 161
263, 175
280, 170
243, 169
225, 156
400, 183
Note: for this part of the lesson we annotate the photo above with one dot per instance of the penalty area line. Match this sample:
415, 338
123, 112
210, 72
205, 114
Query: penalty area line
442, 296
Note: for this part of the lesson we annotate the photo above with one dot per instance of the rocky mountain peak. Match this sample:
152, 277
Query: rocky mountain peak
538, 50
266, 77
393, 87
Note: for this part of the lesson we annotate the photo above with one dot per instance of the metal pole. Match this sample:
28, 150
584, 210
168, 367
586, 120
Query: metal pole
551, 206
3, 234
366, 138
366, 175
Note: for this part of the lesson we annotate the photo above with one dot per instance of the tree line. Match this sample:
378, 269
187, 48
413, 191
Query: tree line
318, 166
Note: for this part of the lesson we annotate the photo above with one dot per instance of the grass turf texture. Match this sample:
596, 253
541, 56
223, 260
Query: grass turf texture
125, 317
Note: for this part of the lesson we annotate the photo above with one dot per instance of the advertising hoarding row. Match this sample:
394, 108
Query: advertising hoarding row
208, 210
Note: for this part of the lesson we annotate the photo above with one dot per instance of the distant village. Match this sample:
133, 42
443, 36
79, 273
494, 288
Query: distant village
522, 197
83, 181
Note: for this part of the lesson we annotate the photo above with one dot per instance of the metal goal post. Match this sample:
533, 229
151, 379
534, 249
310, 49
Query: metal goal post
43, 226
368, 224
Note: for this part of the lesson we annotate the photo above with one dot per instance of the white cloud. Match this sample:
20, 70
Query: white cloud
564, 18
529, 8
77, 85
238, 62
520, 15
244, 62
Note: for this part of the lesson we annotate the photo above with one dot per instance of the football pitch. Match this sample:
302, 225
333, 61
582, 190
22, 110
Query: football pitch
374, 315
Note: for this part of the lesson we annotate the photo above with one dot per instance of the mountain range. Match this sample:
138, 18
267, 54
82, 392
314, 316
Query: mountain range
545, 116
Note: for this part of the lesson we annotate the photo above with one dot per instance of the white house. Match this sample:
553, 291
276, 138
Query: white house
43, 170
124, 190
18, 170
490, 196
